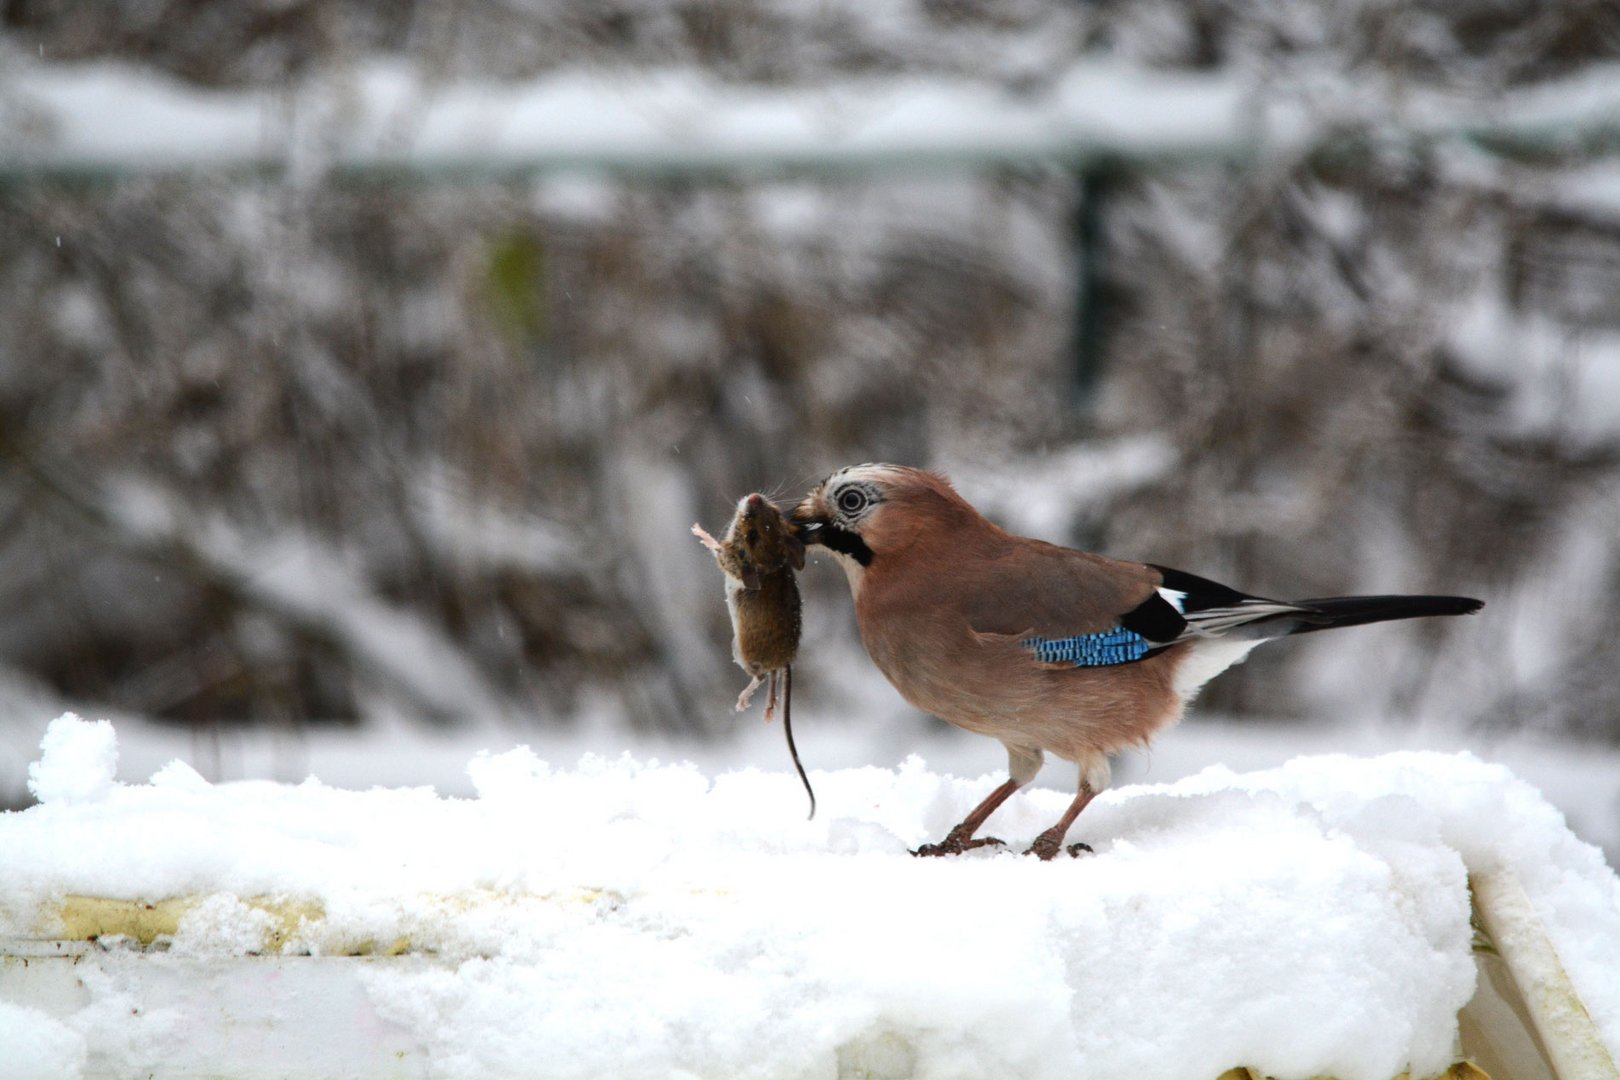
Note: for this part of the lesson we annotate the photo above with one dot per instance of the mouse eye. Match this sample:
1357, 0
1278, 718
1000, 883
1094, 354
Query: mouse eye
852, 501
753, 536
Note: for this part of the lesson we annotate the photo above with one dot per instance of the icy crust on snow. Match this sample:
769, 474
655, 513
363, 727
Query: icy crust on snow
636, 919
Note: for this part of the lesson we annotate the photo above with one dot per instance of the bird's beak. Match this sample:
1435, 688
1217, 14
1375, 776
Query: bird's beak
814, 522
809, 518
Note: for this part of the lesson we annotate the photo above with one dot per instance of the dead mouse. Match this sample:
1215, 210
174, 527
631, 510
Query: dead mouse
759, 556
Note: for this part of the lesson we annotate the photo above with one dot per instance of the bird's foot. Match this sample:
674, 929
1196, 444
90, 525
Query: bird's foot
1046, 847
955, 845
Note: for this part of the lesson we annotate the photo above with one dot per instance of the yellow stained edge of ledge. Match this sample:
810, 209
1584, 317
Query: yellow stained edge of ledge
85, 918
1504, 910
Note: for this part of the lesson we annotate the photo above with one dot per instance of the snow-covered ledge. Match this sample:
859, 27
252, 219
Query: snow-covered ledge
628, 919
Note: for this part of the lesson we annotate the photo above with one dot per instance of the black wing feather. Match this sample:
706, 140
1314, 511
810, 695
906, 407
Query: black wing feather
1202, 593
1155, 619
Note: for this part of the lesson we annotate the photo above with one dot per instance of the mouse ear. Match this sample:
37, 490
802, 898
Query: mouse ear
795, 552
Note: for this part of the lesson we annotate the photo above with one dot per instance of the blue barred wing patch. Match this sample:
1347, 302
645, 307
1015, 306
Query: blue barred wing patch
1116, 646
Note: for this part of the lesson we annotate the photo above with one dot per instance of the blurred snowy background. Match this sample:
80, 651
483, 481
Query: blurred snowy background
362, 365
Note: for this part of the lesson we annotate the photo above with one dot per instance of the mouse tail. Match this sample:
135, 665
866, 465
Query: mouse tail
787, 727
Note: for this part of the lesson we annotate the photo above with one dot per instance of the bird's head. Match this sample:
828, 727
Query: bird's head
865, 512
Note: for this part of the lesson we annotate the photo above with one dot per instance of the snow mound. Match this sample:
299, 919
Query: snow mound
77, 761
635, 919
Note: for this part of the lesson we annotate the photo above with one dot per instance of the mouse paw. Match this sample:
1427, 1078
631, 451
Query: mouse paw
748, 693
704, 538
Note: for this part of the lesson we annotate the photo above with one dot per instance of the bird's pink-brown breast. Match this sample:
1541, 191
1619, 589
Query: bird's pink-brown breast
947, 624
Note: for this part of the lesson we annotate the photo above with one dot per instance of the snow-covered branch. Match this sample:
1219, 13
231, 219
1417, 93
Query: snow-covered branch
380, 116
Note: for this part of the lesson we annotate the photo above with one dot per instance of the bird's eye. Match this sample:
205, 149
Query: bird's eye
852, 501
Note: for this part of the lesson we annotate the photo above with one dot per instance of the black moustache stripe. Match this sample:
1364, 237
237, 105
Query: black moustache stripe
845, 543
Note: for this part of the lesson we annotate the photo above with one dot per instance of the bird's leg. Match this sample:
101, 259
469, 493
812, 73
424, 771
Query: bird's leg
960, 839
748, 693
770, 699
704, 538
1050, 842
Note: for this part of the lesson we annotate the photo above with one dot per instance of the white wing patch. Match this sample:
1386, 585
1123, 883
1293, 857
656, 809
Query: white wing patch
1175, 598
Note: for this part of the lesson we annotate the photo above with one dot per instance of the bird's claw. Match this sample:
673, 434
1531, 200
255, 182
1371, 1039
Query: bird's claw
953, 845
1046, 849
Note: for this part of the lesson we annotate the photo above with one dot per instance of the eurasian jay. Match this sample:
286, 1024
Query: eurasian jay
1046, 649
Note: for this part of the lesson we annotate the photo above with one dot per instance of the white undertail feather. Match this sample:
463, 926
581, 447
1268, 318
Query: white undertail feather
1205, 659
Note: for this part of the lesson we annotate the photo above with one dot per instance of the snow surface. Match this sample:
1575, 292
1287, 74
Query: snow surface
1580, 779
38, 1047
631, 918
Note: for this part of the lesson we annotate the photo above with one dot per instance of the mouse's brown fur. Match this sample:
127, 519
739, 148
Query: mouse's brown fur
759, 556
760, 553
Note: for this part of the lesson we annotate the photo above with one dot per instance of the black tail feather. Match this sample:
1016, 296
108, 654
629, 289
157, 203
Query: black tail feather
1335, 611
